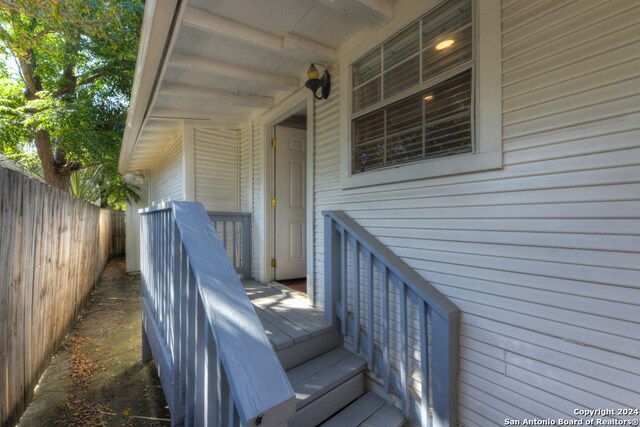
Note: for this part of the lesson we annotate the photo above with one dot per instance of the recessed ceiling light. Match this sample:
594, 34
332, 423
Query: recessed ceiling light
445, 44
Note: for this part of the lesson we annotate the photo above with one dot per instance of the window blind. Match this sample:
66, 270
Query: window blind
430, 61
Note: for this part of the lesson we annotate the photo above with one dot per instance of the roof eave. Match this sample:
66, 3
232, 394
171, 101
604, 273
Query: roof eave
157, 27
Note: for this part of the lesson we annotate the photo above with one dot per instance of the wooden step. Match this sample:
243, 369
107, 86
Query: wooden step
368, 411
325, 384
298, 332
299, 353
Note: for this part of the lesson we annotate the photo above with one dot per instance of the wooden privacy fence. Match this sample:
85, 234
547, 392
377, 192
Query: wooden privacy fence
118, 238
53, 249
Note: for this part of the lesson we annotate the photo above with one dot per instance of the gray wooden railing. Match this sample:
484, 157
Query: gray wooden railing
214, 360
359, 268
234, 230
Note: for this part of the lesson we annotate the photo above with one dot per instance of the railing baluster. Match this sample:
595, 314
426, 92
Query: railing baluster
345, 285
236, 240
404, 361
332, 270
370, 313
211, 395
175, 323
235, 245
191, 347
246, 247
225, 240
223, 396
183, 302
200, 363
234, 418
385, 330
424, 366
356, 295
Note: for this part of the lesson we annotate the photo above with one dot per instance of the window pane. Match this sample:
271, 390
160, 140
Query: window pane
448, 17
368, 142
404, 115
366, 95
404, 147
451, 97
448, 117
447, 138
446, 38
367, 68
404, 130
402, 46
401, 77
435, 61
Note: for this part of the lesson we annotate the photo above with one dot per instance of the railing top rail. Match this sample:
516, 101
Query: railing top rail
260, 388
164, 206
425, 290
234, 214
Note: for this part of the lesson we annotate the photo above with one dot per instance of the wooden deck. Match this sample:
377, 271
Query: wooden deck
285, 315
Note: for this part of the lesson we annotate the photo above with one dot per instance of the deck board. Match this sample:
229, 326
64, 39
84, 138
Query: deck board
286, 318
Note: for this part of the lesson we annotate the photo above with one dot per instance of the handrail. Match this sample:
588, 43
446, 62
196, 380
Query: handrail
215, 362
438, 318
234, 227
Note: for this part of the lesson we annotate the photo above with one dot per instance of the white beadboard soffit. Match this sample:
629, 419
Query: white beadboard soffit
232, 59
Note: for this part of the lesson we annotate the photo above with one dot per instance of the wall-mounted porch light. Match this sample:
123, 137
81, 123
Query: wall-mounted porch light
314, 83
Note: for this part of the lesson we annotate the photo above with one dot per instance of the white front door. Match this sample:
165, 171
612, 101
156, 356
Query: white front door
290, 231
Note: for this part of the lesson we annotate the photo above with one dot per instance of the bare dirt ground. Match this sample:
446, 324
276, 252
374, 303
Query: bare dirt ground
97, 378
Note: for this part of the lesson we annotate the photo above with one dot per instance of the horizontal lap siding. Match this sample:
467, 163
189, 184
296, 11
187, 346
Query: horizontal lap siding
245, 168
542, 256
217, 164
258, 199
167, 178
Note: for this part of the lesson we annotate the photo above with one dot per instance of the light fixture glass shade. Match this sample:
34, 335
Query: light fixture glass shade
312, 73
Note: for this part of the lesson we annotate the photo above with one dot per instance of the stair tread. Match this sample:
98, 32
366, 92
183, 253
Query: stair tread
318, 376
287, 320
369, 410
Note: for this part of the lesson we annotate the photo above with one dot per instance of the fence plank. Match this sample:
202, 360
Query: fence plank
3, 303
52, 252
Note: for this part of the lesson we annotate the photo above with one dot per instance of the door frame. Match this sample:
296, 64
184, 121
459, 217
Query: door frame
302, 99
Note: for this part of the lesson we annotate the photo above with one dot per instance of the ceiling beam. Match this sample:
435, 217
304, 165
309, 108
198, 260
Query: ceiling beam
377, 12
290, 45
211, 66
180, 114
154, 124
192, 91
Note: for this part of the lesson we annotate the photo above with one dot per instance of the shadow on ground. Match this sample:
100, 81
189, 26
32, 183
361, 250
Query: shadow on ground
97, 378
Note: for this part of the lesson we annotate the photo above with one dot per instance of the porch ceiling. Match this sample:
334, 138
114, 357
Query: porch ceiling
220, 63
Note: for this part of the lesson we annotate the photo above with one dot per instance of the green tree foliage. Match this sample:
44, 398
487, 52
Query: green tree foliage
65, 81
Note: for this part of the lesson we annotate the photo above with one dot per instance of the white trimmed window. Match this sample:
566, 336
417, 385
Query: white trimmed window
412, 100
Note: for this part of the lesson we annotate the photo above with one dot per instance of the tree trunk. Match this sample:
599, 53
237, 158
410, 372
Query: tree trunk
52, 174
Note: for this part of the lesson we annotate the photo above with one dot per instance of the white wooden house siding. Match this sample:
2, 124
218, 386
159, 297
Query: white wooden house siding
217, 163
166, 177
258, 199
541, 256
245, 168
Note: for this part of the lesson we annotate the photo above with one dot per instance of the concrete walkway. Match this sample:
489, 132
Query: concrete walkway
97, 378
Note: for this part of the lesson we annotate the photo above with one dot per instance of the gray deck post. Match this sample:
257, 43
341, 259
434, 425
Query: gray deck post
444, 369
331, 269
246, 247
146, 348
